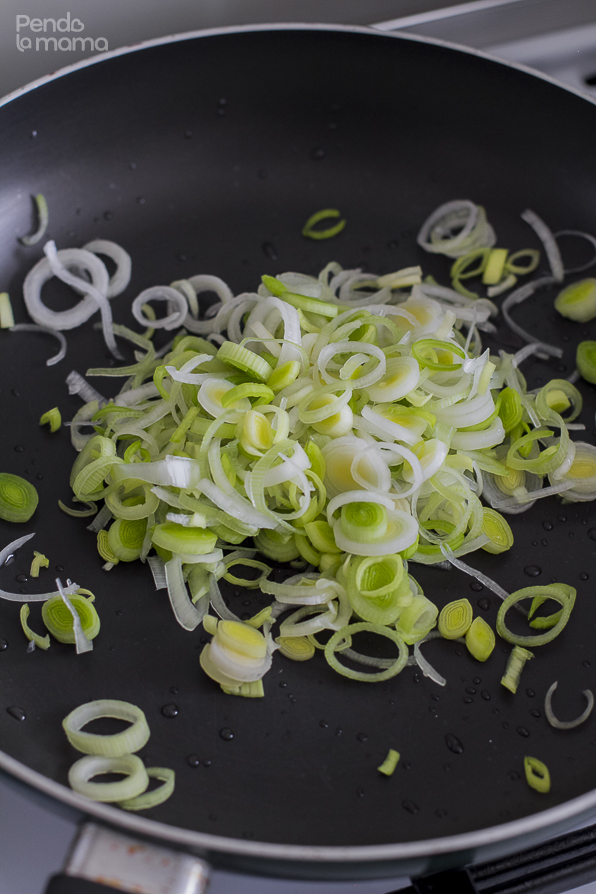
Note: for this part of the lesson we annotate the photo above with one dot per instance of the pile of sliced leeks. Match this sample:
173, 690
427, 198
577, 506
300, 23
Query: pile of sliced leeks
347, 423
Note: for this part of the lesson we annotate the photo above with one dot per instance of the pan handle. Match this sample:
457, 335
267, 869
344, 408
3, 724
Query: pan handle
554, 867
104, 860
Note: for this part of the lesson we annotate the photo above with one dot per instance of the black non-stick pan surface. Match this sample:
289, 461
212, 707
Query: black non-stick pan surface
206, 155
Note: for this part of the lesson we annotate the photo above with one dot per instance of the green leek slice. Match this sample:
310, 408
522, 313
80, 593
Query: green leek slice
537, 775
18, 498
515, 664
578, 301
455, 619
585, 360
52, 418
42, 642
550, 591
345, 634
308, 230
387, 768
178, 538
6, 314
480, 639
59, 620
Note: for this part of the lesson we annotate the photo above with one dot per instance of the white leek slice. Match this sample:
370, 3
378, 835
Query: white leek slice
352, 347
425, 666
121, 276
129, 740
548, 240
401, 376
82, 643
456, 228
98, 296
187, 614
35, 327
402, 531
177, 307
479, 440
134, 783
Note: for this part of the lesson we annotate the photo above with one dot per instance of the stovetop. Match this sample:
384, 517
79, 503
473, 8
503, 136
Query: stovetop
556, 37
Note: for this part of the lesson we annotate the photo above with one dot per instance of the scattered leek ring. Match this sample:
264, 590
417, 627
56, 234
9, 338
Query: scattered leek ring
537, 775
125, 742
550, 592
134, 784
567, 724
151, 799
341, 636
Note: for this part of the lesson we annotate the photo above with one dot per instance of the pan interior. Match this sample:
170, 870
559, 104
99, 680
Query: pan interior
207, 156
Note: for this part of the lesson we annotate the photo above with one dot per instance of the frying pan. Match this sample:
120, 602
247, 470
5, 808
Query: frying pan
206, 153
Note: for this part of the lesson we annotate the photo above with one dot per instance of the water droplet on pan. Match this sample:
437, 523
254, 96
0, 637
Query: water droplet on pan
547, 525
584, 575
269, 251
226, 734
476, 586
523, 731
454, 744
17, 713
591, 531
3, 644
362, 737
21, 578
410, 806
484, 604
485, 695
193, 760
170, 710
532, 570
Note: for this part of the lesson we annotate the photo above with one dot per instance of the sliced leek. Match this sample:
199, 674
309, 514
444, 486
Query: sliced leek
129, 740
18, 498
537, 775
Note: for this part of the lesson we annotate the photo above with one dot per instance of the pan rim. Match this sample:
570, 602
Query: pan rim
205, 842
282, 26
469, 842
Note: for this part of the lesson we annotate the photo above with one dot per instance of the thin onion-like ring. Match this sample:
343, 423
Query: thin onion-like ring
121, 278
541, 639
157, 796
71, 258
175, 317
567, 724
134, 783
341, 635
125, 742
35, 327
